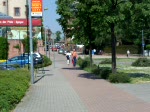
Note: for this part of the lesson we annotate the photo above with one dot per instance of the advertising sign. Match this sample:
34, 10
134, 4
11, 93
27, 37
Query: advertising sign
36, 8
19, 22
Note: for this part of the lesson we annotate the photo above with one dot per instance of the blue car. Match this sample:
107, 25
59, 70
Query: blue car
17, 60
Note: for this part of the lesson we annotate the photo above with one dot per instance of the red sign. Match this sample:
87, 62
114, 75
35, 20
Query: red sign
19, 22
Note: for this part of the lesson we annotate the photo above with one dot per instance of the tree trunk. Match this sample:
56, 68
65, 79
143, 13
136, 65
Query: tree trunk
113, 43
90, 39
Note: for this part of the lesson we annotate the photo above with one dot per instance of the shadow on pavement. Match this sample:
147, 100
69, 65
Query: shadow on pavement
76, 68
88, 76
84, 75
39, 77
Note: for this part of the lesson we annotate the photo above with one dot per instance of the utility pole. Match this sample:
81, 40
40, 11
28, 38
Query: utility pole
45, 34
31, 42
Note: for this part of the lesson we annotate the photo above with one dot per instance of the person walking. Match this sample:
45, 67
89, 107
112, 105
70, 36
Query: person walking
74, 58
128, 53
68, 56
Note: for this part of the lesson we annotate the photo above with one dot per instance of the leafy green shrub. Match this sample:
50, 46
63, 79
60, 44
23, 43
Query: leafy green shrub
47, 61
84, 62
119, 78
13, 87
101, 72
105, 72
106, 61
79, 61
95, 70
141, 62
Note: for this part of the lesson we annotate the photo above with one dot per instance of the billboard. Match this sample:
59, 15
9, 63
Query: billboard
36, 8
20, 22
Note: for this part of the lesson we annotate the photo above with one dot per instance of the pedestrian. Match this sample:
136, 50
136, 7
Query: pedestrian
94, 51
74, 58
128, 53
68, 56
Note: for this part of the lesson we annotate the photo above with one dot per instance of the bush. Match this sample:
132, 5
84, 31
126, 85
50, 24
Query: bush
106, 61
83, 63
46, 62
141, 62
119, 78
105, 72
13, 87
79, 61
101, 72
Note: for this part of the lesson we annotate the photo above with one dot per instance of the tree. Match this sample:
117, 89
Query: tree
26, 44
105, 21
58, 37
4, 48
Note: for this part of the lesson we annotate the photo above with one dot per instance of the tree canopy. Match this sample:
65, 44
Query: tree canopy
101, 23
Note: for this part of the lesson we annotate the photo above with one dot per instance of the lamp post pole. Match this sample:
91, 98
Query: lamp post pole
45, 32
31, 43
45, 42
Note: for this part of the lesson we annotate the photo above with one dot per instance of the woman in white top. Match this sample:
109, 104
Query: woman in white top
68, 55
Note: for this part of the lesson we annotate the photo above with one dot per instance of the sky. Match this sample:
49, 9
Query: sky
50, 16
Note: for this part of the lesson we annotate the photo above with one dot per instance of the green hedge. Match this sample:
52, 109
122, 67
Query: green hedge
141, 62
119, 78
123, 49
13, 86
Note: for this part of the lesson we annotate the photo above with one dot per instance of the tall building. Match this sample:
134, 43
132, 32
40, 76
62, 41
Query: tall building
13, 8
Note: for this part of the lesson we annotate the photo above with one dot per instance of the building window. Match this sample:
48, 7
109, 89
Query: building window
17, 11
4, 3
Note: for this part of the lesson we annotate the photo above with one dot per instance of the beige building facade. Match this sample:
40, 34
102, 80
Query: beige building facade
17, 10
14, 8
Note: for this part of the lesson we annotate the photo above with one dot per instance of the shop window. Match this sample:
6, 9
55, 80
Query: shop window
17, 11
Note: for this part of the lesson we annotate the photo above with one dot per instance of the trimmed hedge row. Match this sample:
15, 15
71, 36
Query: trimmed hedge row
13, 86
122, 49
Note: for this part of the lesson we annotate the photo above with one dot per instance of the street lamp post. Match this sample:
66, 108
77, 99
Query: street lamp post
31, 43
45, 42
45, 34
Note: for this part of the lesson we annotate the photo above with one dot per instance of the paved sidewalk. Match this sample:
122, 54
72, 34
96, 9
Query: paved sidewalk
65, 89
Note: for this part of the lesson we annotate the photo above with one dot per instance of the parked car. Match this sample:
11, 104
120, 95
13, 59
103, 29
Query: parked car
54, 48
17, 60
37, 58
64, 51
60, 51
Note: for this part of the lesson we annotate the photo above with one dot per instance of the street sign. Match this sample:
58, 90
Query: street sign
36, 8
143, 45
